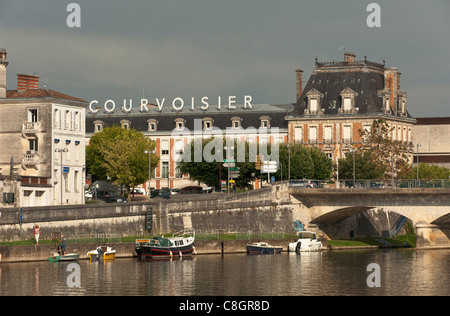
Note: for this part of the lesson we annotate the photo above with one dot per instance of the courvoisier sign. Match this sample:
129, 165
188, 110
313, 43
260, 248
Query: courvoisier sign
176, 103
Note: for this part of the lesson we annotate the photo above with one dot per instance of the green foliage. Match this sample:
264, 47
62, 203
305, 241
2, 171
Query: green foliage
427, 171
385, 151
366, 166
119, 154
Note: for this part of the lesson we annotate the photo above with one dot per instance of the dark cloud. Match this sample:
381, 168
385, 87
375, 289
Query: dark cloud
208, 48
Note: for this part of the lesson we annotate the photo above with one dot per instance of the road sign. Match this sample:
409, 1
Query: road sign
229, 160
234, 169
229, 164
271, 163
270, 169
66, 169
259, 162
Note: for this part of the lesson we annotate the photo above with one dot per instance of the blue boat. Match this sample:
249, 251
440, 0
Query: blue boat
263, 248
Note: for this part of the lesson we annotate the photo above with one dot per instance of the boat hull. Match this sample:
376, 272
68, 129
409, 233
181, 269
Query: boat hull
252, 249
68, 257
147, 251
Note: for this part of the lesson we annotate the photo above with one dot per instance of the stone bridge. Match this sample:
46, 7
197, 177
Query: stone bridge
427, 208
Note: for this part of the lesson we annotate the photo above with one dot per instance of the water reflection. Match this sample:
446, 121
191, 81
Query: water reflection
403, 272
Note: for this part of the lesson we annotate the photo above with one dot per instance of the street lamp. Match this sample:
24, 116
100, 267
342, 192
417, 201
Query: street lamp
149, 152
418, 145
289, 163
61, 151
353, 150
228, 159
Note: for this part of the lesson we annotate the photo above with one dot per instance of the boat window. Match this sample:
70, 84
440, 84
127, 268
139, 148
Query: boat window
181, 242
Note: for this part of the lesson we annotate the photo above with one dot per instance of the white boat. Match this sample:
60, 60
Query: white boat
105, 253
307, 241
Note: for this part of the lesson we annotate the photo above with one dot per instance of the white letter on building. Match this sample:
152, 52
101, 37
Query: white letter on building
181, 104
247, 101
113, 106
90, 106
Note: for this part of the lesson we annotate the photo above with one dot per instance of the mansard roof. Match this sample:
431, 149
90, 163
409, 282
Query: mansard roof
167, 116
40, 94
366, 79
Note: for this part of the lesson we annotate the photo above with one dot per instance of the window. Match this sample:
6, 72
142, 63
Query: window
314, 100
236, 122
75, 181
77, 121
33, 145
152, 125
298, 134
67, 120
265, 121
328, 134
347, 133
164, 147
313, 134
125, 124
32, 115
165, 170
179, 124
98, 126
57, 118
348, 97
207, 123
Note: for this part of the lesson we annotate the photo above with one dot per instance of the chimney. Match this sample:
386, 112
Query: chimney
299, 84
27, 82
349, 57
3, 65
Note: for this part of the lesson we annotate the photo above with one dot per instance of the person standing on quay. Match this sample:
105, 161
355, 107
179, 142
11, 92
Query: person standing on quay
36, 233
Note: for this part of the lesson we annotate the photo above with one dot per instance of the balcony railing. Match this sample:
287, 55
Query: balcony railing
31, 127
30, 159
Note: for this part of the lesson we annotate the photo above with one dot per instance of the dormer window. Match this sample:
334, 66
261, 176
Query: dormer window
152, 125
348, 97
98, 126
207, 123
236, 122
265, 121
125, 124
179, 124
314, 100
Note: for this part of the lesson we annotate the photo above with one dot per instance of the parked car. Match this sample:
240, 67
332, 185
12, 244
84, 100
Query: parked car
110, 196
303, 183
165, 194
137, 191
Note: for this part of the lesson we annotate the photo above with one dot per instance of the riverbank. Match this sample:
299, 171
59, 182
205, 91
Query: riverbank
32, 253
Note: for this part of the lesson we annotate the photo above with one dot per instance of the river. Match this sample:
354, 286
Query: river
401, 272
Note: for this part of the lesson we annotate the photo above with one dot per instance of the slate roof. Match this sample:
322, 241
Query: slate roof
166, 117
364, 77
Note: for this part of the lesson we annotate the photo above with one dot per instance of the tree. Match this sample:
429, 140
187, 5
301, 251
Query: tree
431, 172
365, 166
119, 154
207, 167
385, 150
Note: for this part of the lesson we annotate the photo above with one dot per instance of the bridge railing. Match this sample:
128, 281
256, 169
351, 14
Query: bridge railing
376, 183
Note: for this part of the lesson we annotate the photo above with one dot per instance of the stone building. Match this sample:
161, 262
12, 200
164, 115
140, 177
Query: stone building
38, 126
431, 140
343, 97
172, 129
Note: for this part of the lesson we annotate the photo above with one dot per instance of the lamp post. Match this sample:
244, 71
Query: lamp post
228, 159
61, 151
289, 163
149, 152
353, 150
418, 182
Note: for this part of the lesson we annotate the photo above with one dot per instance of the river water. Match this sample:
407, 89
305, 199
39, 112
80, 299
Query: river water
401, 272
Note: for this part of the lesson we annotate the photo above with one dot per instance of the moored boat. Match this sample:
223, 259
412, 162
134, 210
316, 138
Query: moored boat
67, 257
306, 242
263, 248
179, 244
104, 252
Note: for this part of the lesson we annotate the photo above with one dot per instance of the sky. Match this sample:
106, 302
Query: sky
195, 48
